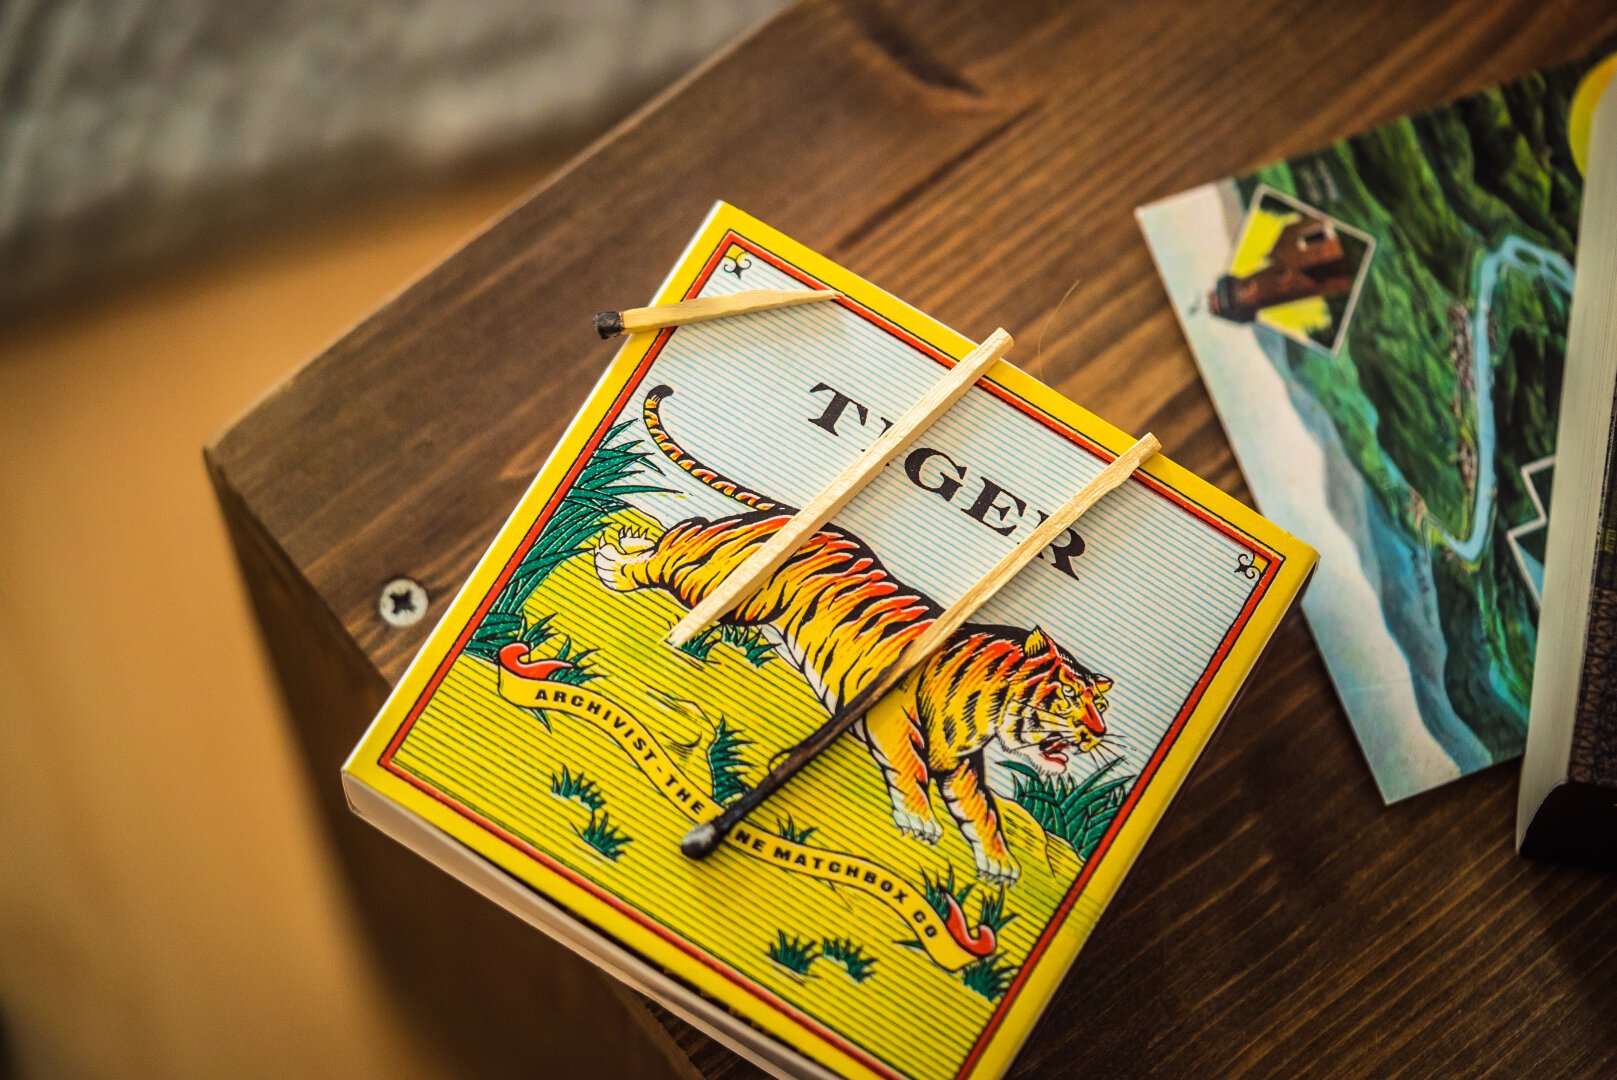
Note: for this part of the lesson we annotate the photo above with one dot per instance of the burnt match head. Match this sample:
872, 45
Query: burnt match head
700, 841
609, 324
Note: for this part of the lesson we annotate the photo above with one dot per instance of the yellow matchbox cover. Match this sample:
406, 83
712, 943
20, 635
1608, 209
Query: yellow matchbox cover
909, 903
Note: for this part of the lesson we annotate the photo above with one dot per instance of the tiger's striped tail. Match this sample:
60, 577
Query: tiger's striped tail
652, 411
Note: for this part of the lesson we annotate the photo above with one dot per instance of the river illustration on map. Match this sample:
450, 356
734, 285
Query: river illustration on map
1381, 324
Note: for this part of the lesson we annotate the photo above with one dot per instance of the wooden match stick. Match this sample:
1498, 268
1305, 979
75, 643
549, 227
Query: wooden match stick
636, 320
704, 838
741, 582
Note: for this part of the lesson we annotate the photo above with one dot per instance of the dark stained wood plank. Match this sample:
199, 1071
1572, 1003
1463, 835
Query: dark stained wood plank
980, 159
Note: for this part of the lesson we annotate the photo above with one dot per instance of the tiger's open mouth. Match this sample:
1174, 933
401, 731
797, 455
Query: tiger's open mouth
1055, 748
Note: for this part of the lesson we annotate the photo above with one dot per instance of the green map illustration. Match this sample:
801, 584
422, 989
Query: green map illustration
1433, 418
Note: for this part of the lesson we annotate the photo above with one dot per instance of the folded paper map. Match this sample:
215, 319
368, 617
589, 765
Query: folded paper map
1381, 324
946, 859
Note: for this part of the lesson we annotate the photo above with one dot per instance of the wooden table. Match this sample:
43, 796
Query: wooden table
977, 160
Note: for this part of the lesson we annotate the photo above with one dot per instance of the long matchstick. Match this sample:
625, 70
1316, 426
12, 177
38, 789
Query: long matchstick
610, 324
704, 838
741, 582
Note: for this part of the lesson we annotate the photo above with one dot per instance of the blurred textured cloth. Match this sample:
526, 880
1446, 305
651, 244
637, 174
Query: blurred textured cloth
129, 128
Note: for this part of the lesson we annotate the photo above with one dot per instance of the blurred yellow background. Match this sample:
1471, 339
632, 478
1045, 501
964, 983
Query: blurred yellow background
168, 904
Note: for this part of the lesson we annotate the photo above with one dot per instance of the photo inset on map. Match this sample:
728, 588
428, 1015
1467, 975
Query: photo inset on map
1293, 269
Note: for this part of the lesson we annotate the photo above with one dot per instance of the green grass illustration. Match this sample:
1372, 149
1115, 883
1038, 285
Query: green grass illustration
789, 830
756, 648
993, 914
538, 632
580, 789
935, 889
748, 640
1078, 811
580, 672
534, 635
604, 836
793, 953
701, 646
595, 496
851, 955
988, 977
497, 630
726, 763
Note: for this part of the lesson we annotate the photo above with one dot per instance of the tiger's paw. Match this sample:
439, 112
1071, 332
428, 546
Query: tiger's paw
997, 871
614, 556
925, 829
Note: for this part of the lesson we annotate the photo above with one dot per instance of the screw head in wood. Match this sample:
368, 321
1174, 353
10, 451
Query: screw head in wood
403, 602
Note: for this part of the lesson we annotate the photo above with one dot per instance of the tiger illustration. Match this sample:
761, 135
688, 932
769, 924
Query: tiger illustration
839, 618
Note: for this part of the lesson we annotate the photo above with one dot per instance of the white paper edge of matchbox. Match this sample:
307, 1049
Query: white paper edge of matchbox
450, 855
771, 1054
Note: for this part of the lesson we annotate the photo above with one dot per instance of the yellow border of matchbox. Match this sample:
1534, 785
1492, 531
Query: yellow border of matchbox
1296, 561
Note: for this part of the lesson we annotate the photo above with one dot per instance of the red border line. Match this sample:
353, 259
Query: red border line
1059, 916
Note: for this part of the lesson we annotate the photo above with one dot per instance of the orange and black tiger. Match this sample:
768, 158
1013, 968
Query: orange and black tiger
840, 618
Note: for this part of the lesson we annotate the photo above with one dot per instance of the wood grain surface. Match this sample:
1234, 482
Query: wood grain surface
978, 160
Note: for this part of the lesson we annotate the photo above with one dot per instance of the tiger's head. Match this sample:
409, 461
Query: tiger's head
1055, 706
